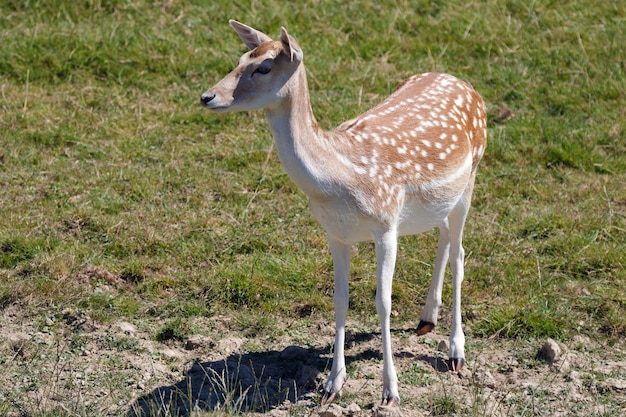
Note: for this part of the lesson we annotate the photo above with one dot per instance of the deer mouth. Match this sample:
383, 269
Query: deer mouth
212, 102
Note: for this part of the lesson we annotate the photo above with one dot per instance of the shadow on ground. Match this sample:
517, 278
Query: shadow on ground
250, 382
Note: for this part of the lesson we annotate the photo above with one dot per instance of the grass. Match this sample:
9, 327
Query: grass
108, 163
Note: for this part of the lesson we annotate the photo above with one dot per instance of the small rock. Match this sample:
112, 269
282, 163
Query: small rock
332, 410
353, 409
550, 351
443, 346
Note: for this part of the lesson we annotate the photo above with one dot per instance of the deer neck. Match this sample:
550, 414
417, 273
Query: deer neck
304, 149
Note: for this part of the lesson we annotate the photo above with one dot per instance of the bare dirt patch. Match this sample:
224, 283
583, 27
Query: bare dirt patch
73, 364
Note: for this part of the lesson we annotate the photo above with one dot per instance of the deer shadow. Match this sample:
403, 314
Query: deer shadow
239, 383
251, 382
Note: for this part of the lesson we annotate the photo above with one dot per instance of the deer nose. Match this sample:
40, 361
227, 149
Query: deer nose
207, 98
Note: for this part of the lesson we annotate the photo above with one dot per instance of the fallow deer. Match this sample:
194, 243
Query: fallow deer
401, 168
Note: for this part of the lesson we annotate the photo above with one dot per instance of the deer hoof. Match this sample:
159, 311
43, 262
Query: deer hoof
390, 402
456, 364
424, 327
329, 397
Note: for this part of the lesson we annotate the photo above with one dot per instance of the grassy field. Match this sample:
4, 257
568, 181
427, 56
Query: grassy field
122, 199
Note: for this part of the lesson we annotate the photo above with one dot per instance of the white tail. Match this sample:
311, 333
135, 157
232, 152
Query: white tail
403, 167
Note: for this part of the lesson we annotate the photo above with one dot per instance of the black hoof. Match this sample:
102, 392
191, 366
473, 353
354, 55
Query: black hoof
424, 327
390, 402
456, 364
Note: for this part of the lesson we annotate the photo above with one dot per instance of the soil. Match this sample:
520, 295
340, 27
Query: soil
72, 363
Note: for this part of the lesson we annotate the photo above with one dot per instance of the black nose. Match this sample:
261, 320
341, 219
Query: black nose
206, 98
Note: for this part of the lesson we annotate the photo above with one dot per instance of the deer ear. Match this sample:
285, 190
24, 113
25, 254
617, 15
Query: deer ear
292, 48
251, 37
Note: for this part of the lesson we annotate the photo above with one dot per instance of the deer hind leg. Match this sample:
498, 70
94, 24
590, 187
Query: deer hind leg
456, 221
386, 249
341, 263
428, 319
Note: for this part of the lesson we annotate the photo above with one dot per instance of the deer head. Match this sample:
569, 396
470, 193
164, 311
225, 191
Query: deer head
262, 76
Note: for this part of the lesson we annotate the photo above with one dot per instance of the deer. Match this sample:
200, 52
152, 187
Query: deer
404, 167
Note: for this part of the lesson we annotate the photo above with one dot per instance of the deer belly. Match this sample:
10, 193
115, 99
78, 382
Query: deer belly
342, 222
421, 214
347, 224
416, 218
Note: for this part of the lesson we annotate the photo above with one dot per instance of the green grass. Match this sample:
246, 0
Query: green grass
107, 160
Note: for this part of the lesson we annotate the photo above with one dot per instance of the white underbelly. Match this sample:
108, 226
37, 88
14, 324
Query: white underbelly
418, 217
343, 222
347, 224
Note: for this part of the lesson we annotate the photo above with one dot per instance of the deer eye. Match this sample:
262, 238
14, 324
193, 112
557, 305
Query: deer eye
264, 68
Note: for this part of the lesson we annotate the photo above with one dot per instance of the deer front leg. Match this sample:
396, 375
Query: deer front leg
457, 337
341, 263
430, 314
457, 259
386, 248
